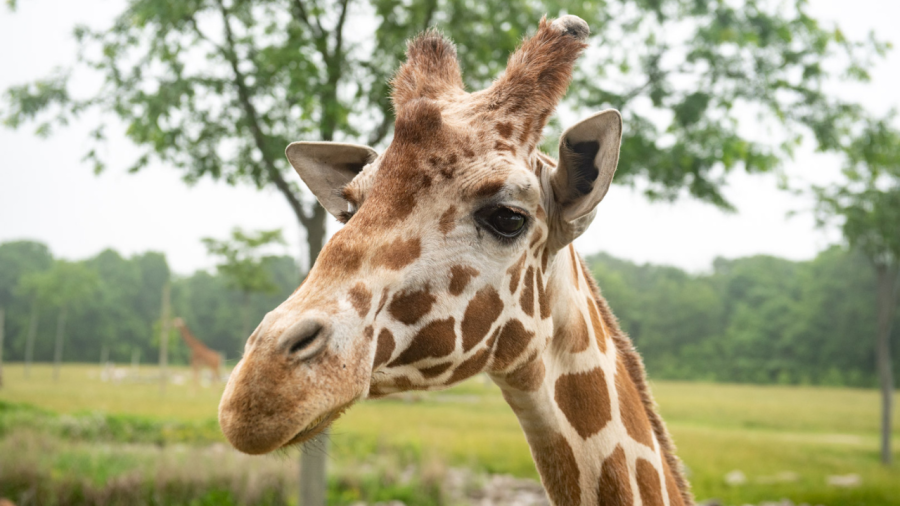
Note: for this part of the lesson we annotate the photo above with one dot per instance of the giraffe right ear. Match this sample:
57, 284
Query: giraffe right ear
326, 167
588, 155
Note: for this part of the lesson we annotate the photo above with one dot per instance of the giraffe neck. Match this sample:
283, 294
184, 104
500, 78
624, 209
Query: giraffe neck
591, 425
193, 343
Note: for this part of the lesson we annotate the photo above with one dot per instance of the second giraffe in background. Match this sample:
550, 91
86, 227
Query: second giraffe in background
201, 355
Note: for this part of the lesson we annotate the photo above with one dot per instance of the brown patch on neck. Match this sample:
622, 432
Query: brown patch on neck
543, 297
410, 307
572, 336
436, 370
529, 376
599, 330
382, 302
555, 461
515, 271
398, 254
648, 484
472, 366
514, 339
574, 267
615, 487
635, 368
361, 298
526, 300
459, 278
384, 348
633, 415
448, 220
675, 498
482, 311
436, 339
505, 129
584, 399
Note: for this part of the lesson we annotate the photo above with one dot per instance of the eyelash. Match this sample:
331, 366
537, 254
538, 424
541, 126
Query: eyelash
482, 222
345, 216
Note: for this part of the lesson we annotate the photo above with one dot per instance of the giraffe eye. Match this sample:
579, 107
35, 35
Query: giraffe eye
502, 221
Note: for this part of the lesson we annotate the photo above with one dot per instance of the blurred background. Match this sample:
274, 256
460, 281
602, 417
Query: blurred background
750, 245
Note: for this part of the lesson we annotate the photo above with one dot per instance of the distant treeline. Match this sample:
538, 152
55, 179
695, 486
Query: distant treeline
123, 313
759, 319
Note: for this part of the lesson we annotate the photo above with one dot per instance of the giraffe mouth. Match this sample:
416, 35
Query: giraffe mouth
316, 426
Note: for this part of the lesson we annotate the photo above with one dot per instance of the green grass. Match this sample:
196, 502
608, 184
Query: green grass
759, 430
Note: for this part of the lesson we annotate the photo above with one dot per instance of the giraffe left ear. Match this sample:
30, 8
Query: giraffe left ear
588, 155
326, 167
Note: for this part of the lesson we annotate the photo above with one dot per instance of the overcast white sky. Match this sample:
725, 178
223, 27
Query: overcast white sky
48, 194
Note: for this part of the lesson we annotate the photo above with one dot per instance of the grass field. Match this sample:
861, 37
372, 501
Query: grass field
786, 441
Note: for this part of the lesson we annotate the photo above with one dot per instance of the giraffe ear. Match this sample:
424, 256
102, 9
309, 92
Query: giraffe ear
326, 167
588, 155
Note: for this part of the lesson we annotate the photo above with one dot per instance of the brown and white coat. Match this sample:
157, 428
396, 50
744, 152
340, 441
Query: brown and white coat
456, 259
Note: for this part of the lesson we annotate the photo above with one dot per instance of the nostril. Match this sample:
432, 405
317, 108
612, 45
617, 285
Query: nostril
305, 341
302, 336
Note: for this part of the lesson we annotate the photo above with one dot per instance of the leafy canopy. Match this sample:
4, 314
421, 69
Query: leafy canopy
241, 262
64, 284
218, 88
868, 204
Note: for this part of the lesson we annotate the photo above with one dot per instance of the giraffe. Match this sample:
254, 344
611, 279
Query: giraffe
456, 258
201, 356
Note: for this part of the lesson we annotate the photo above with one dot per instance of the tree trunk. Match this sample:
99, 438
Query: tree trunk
29, 339
164, 341
2, 321
313, 472
57, 353
315, 233
245, 315
887, 298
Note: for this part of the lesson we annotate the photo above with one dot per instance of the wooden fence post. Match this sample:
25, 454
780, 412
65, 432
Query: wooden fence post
313, 476
2, 321
29, 339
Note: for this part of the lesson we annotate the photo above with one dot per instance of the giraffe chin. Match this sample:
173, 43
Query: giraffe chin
315, 427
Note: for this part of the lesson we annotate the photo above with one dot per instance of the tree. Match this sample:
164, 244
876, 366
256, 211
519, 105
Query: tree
868, 208
18, 259
218, 88
243, 266
66, 285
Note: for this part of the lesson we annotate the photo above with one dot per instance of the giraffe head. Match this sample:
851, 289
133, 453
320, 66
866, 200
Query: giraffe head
441, 269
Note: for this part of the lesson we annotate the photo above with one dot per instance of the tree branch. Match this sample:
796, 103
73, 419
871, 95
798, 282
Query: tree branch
253, 120
302, 14
193, 22
334, 68
429, 13
381, 130
339, 36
